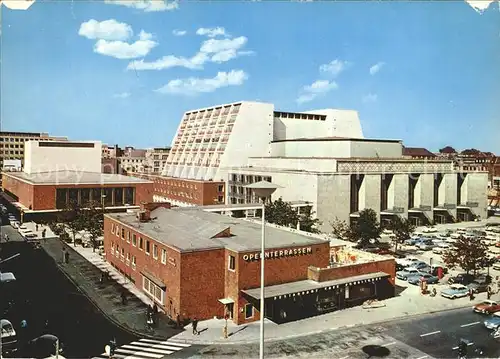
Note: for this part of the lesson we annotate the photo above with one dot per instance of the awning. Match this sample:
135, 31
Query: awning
310, 286
226, 301
154, 279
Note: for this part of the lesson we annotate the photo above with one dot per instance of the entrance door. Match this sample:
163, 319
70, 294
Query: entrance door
230, 310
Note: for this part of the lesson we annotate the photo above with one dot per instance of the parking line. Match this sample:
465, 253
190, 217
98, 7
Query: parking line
423, 357
469, 324
431, 333
389, 344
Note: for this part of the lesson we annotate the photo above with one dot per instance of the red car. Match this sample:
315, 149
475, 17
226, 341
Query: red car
487, 307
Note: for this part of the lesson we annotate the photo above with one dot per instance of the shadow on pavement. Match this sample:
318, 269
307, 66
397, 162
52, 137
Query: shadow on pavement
376, 351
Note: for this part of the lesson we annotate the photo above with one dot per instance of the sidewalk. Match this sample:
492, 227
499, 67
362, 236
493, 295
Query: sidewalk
86, 275
410, 302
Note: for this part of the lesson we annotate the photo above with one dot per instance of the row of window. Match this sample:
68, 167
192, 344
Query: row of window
139, 242
107, 196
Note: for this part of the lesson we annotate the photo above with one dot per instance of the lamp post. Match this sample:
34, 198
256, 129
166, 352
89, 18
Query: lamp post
263, 190
103, 197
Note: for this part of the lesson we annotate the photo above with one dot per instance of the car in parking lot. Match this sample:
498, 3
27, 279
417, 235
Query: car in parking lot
462, 278
493, 322
407, 272
441, 248
455, 291
405, 262
487, 307
426, 245
430, 229
426, 277
435, 269
421, 266
496, 266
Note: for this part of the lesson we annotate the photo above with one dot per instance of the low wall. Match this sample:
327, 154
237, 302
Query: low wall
348, 270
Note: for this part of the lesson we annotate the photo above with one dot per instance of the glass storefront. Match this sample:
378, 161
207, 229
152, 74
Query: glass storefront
109, 196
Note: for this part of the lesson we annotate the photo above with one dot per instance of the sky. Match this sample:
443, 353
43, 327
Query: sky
124, 72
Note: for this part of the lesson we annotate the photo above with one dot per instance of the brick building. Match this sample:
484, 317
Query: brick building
198, 264
38, 193
186, 192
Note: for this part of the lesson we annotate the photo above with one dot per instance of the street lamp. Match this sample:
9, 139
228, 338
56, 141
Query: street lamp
103, 197
263, 190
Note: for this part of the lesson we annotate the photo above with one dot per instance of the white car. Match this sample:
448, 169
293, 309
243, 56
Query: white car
22, 228
496, 266
405, 262
440, 248
430, 230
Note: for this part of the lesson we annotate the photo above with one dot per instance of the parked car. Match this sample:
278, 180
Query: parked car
425, 245
421, 266
455, 291
496, 266
462, 278
44, 347
493, 322
435, 269
430, 229
405, 262
8, 336
407, 272
429, 278
487, 307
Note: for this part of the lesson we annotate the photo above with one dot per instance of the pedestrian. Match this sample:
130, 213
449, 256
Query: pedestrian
195, 326
124, 297
471, 295
488, 292
178, 321
155, 312
103, 277
43, 233
64, 254
66, 257
36, 227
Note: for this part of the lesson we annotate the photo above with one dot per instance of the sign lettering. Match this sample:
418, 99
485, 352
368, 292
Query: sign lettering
278, 254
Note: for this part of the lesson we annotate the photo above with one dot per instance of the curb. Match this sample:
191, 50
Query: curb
94, 303
322, 331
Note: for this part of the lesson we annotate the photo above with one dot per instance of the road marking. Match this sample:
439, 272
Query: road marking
469, 324
389, 344
431, 333
468, 344
423, 357
345, 357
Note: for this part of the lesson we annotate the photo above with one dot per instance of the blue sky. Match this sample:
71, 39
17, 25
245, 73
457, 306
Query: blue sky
122, 74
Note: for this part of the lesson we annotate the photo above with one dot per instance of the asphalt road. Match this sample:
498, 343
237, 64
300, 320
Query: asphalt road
43, 295
428, 336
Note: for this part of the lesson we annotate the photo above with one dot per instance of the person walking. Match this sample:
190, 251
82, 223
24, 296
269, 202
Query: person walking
489, 292
471, 294
195, 326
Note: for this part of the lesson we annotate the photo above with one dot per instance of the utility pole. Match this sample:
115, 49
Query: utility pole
57, 348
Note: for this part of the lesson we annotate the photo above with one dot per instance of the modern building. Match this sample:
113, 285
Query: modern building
12, 143
156, 159
57, 173
321, 158
185, 193
198, 264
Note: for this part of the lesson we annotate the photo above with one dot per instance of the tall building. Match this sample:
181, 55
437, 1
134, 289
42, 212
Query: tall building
212, 138
156, 159
12, 143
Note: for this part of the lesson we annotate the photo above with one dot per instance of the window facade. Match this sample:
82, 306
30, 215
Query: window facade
133, 262
155, 251
107, 196
141, 241
164, 256
232, 263
134, 240
153, 290
148, 245
248, 311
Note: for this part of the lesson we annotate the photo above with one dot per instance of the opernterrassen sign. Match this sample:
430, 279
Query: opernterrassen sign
278, 254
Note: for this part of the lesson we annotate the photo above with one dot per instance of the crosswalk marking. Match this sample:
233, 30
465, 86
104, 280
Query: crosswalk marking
152, 350
158, 346
135, 352
146, 349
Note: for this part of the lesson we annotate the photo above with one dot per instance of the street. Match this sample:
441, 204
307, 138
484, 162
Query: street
50, 303
427, 336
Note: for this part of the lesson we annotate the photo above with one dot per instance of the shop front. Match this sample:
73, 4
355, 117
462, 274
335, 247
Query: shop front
307, 298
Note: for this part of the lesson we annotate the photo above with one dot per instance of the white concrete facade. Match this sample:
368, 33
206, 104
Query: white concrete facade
211, 139
49, 156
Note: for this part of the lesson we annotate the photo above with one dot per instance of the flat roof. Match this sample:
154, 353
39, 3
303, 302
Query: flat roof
318, 139
74, 178
190, 230
308, 284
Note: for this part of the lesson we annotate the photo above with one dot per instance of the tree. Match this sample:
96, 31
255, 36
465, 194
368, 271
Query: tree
92, 221
402, 229
469, 254
281, 213
72, 217
367, 227
341, 230
447, 150
307, 222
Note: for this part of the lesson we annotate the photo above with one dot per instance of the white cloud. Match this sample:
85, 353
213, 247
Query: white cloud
106, 30
146, 5
212, 50
335, 67
192, 86
212, 31
317, 88
122, 95
371, 97
166, 62
124, 50
376, 68
179, 32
